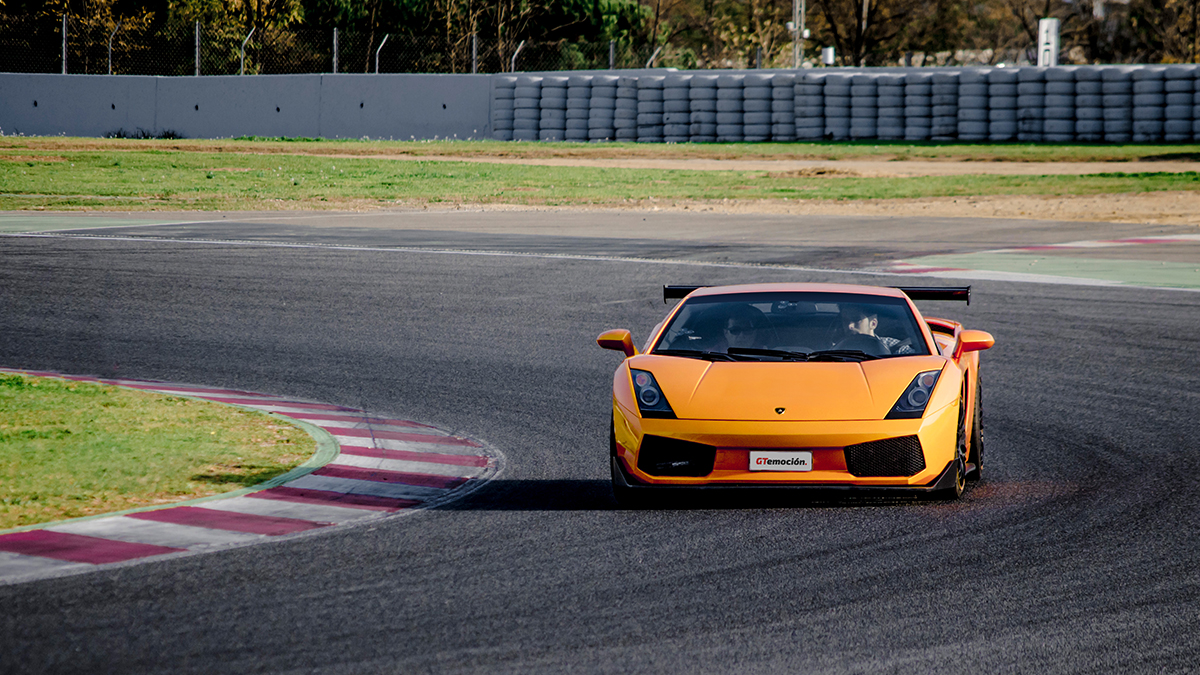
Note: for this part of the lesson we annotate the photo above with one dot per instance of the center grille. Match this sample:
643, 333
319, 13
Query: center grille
661, 456
888, 457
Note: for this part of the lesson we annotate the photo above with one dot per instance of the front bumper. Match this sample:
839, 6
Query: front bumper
733, 440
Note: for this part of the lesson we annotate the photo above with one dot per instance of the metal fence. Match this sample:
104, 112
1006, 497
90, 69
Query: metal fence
72, 44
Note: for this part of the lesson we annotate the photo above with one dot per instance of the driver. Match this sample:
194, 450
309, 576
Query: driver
742, 327
860, 321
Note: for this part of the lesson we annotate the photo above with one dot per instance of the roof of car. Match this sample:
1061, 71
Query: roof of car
799, 288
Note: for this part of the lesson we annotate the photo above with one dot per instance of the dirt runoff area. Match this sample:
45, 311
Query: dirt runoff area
1167, 208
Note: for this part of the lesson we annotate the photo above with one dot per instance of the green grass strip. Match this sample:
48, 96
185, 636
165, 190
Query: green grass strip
74, 449
205, 181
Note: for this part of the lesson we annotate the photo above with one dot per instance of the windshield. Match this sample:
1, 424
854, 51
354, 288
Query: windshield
793, 326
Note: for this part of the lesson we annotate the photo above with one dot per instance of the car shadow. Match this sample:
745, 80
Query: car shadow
596, 495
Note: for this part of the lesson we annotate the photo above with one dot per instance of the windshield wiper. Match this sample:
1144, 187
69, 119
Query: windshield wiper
695, 354
841, 355
785, 355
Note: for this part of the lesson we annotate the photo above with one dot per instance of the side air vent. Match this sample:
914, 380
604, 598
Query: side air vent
661, 456
889, 457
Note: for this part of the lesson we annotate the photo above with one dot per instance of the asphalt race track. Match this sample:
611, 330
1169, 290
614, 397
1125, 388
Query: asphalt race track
1077, 553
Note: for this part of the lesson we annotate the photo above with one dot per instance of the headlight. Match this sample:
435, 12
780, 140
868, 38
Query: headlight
650, 399
914, 399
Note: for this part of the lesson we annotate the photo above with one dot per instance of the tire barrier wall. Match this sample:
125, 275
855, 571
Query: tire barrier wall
1110, 104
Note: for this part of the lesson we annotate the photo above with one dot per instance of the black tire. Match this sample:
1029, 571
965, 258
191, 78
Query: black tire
975, 456
960, 482
959, 467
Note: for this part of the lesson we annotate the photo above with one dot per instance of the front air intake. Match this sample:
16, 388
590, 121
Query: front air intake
888, 457
661, 456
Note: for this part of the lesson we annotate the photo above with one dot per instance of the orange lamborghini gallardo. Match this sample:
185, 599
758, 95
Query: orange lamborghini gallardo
798, 385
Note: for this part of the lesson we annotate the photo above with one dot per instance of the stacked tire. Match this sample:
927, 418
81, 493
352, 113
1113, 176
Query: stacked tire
890, 123
1058, 125
973, 105
1178, 93
650, 109
864, 106
1002, 104
553, 120
579, 104
600, 108
783, 111
729, 108
702, 95
944, 99
1031, 104
1149, 103
808, 106
1196, 110
1117, 87
837, 107
527, 108
502, 107
625, 109
677, 109
1089, 105
918, 106
757, 93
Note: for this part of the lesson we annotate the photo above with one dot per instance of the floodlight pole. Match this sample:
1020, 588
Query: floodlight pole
799, 18
381, 44
242, 69
110, 39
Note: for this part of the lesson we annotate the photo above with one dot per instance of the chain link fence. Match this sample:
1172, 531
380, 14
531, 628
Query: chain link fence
36, 44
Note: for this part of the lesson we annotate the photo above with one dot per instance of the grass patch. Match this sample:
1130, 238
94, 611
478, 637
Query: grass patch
163, 179
70, 449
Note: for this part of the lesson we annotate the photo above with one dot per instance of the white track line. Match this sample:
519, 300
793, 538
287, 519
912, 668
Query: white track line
982, 275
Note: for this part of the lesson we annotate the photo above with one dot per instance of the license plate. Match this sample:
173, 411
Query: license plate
776, 460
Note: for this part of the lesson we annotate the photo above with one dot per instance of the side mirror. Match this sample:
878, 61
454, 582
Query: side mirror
618, 340
973, 341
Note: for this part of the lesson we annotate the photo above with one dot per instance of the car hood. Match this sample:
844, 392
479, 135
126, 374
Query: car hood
783, 391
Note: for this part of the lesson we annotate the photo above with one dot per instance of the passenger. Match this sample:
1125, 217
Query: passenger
860, 321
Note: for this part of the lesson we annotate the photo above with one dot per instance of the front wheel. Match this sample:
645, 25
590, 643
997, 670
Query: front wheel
959, 467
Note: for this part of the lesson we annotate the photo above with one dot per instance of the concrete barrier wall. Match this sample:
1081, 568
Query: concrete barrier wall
325, 106
1115, 104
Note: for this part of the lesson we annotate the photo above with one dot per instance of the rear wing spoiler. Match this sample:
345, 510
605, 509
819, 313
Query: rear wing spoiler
959, 293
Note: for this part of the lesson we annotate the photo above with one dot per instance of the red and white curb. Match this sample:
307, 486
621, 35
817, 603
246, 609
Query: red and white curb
380, 466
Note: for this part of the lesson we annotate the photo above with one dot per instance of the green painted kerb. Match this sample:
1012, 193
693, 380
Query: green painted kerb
327, 449
1131, 272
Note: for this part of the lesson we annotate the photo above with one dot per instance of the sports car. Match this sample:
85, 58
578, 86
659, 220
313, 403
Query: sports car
828, 386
